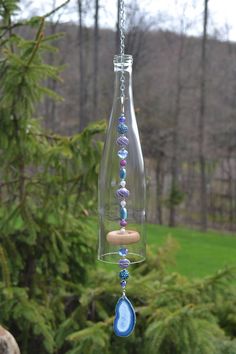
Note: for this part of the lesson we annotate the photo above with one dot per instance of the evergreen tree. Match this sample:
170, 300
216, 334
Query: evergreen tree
47, 189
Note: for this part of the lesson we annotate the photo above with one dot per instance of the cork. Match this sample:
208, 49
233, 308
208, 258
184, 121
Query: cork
118, 238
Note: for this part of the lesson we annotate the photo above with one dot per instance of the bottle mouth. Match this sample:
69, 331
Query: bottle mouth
124, 61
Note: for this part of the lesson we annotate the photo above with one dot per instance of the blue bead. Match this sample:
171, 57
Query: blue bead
125, 318
122, 173
123, 283
122, 119
122, 154
123, 251
123, 213
124, 274
122, 128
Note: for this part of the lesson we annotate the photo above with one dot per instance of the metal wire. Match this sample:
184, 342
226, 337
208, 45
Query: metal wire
122, 27
122, 52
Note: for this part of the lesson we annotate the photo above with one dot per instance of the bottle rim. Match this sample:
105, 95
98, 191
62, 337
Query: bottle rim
123, 59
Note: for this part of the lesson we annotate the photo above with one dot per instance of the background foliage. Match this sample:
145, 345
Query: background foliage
53, 297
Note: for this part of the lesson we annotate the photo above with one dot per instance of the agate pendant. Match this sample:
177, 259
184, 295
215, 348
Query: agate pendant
125, 317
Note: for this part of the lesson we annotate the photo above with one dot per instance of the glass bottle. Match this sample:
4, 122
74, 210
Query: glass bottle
114, 169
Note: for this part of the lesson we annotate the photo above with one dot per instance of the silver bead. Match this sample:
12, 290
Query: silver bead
123, 203
123, 184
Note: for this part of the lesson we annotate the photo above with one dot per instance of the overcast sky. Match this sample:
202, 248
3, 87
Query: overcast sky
222, 13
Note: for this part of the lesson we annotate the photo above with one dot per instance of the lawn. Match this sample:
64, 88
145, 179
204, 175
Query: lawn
200, 253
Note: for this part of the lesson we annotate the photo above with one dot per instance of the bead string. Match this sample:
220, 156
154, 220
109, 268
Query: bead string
122, 52
122, 193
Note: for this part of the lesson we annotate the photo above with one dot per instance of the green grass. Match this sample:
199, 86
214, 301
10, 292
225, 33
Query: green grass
200, 254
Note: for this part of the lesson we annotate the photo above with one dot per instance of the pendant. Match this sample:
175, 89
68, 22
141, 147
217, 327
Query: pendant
125, 317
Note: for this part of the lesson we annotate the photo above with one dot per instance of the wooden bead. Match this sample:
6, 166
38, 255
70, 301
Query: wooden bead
118, 238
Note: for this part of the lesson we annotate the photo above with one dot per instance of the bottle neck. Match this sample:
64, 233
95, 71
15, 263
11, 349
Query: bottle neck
123, 88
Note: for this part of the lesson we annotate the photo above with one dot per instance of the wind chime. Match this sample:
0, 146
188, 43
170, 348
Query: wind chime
122, 187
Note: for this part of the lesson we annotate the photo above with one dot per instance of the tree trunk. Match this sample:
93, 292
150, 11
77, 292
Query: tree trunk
201, 127
175, 135
159, 189
230, 193
50, 104
82, 120
95, 59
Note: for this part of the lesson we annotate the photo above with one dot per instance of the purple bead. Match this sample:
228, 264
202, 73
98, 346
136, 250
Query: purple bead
123, 163
123, 223
123, 283
124, 263
122, 119
122, 193
122, 141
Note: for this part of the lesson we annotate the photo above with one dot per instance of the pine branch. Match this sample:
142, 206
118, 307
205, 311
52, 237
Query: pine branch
56, 9
5, 268
9, 28
38, 39
48, 136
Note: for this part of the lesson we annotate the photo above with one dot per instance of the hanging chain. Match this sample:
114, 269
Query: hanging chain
122, 52
122, 27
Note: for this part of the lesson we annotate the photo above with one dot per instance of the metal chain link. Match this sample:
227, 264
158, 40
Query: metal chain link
122, 27
122, 52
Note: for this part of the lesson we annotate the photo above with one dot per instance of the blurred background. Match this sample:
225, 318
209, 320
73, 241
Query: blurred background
184, 89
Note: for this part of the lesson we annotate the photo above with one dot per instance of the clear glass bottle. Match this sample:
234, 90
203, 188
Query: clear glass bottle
109, 208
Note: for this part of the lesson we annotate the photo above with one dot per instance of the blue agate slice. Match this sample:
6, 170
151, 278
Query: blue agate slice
125, 318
